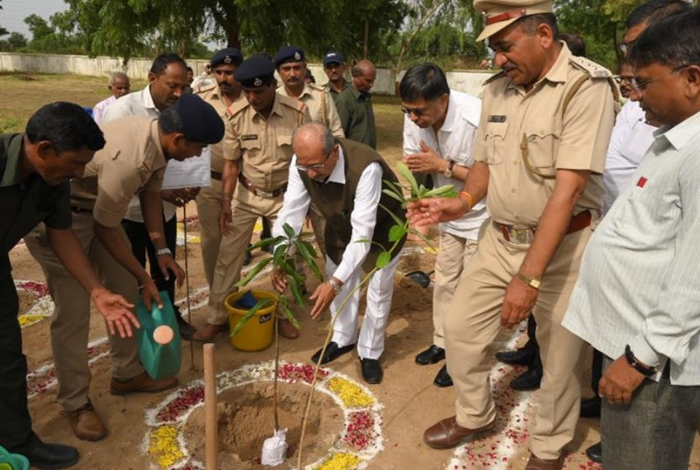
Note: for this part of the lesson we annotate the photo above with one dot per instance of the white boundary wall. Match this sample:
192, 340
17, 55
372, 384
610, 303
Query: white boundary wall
467, 81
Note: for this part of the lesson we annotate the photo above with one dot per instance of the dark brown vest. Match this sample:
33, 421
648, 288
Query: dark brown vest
336, 203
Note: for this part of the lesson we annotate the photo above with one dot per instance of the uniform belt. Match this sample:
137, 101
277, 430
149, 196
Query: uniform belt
215, 175
524, 235
259, 192
79, 210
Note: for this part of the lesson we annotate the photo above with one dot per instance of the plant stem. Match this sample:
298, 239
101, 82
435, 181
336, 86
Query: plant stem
277, 360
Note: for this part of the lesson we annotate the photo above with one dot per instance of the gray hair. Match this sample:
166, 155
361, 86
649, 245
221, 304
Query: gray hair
114, 76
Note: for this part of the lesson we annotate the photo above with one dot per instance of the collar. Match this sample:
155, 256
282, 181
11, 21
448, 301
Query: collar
12, 175
358, 94
338, 173
147, 99
559, 73
679, 135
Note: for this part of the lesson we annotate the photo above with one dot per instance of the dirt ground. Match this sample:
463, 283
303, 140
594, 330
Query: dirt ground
407, 401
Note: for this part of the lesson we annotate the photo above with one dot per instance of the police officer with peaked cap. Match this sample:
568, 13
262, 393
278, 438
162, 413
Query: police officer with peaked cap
540, 160
257, 157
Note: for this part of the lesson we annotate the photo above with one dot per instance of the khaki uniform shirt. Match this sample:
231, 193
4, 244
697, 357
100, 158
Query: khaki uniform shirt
576, 140
321, 107
265, 145
213, 96
131, 161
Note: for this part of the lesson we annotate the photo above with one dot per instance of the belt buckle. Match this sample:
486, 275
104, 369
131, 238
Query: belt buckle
520, 235
264, 194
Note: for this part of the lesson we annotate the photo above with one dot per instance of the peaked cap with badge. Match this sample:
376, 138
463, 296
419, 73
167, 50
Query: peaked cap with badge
255, 72
228, 56
289, 54
502, 13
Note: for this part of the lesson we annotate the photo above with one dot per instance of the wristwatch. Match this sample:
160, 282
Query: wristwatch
164, 251
632, 360
335, 285
447, 172
529, 280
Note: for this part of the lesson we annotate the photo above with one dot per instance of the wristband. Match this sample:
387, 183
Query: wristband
529, 280
470, 199
632, 360
335, 285
164, 251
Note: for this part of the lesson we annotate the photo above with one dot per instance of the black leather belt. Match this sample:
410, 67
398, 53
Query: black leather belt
215, 175
259, 192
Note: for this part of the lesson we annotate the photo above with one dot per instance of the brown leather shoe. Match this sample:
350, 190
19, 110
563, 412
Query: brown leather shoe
141, 384
207, 333
536, 463
447, 433
286, 329
85, 423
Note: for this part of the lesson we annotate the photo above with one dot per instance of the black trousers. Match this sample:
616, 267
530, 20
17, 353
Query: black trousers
141, 246
15, 422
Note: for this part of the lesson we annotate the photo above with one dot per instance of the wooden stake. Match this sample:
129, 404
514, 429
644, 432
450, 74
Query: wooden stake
211, 432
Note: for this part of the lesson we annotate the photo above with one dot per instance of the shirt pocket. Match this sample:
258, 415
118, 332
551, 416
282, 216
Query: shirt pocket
284, 142
542, 138
251, 150
495, 142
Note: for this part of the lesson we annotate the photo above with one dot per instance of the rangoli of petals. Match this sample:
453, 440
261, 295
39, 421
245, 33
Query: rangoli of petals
43, 304
359, 442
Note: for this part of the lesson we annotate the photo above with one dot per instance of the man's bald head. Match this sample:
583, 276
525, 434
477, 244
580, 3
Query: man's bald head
363, 75
313, 145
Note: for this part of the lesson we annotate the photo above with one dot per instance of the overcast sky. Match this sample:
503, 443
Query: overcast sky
14, 12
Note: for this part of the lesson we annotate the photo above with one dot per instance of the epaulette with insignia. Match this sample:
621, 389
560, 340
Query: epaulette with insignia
495, 77
292, 103
205, 89
236, 108
593, 69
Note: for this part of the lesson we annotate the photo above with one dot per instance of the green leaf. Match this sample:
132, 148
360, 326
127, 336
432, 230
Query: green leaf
310, 246
308, 252
392, 195
291, 272
396, 232
441, 191
406, 173
278, 255
289, 231
394, 187
289, 315
315, 269
383, 259
262, 243
393, 216
296, 292
249, 314
253, 272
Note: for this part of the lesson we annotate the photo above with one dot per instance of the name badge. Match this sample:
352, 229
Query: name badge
497, 118
249, 137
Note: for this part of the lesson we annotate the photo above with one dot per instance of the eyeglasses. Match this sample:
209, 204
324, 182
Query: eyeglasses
418, 112
623, 78
641, 85
316, 166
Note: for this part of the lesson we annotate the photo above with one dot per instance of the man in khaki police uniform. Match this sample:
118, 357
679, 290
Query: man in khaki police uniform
540, 151
132, 162
257, 158
291, 67
222, 95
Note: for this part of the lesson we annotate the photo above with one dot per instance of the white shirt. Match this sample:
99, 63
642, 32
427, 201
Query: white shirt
631, 138
454, 141
100, 107
363, 217
639, 282
138, 103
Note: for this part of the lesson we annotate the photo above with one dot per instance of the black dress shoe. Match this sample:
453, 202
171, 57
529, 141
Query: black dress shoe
186, 330
371, 371
528, 380
519, 357
50, 456
590, 407
430, 356
333, 352
443, 379
595, 453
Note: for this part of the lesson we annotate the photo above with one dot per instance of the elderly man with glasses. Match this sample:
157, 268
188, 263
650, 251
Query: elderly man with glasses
345, 180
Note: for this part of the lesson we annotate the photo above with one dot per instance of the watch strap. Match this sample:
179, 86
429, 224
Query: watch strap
529, 280
634, 362
164, 251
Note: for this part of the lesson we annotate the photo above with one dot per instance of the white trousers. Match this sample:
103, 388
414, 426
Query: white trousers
370, 340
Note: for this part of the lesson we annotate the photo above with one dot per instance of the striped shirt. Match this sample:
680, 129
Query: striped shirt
639, 282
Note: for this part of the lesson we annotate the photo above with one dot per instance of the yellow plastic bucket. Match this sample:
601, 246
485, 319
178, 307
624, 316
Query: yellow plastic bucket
257, 334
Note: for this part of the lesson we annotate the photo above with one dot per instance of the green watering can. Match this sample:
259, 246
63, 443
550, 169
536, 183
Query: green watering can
158, 339
12, 461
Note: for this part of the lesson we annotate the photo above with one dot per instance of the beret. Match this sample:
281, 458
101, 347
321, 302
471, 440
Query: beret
333, 57
228, 56
255, 72
501, 13
200, 121
289, 54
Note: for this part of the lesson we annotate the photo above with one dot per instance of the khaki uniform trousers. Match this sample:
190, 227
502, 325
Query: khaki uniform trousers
70, 323
209, 201
473, 322
453, 256
247, 208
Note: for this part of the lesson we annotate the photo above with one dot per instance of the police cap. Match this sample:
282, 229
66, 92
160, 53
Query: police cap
200, 121
228, 56
500, 13
289, 54
333, 57
255, 72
